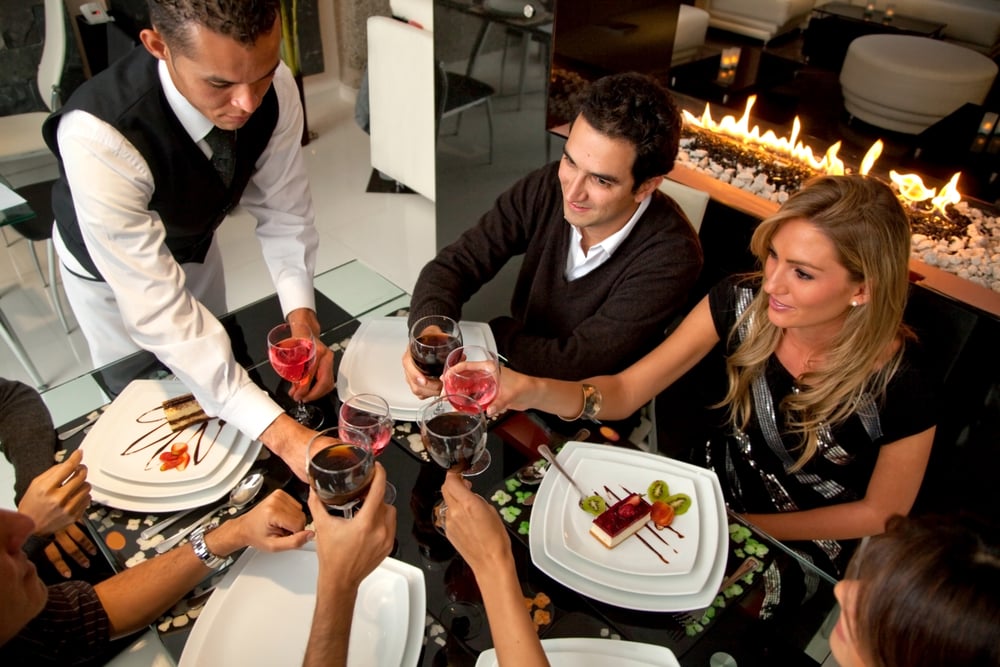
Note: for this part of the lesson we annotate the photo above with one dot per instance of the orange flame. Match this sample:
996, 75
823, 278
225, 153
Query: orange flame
911, 186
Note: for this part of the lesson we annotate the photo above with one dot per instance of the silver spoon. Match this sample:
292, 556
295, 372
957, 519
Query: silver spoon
533, 473
551, 458
241, 496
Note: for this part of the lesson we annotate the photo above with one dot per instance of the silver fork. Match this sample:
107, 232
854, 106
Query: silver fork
695, 615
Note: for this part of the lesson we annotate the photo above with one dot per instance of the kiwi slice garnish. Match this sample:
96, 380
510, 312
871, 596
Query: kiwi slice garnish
681, 502
594, 505
658, 490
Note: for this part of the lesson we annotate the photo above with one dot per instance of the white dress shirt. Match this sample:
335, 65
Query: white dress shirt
579, 264
112, 186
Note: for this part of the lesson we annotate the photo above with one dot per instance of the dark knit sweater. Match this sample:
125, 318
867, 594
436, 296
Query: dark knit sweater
599, 323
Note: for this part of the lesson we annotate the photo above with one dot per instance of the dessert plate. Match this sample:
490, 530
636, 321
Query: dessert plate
650, 593
112, 497
262, 611
371, 363
593, 652
133, 431
645, 552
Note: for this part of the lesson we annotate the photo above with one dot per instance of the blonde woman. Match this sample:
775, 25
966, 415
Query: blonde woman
828, 422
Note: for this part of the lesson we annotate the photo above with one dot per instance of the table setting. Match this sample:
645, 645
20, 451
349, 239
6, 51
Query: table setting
633, 600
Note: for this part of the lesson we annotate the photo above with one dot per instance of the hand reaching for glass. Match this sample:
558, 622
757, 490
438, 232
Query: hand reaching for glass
431, 339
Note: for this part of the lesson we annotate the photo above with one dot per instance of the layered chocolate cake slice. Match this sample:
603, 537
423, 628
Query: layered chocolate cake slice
621, 520
183, 411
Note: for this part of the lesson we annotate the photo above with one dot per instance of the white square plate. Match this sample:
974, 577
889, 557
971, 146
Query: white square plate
676, 544
262, 611
593, 652
129, 437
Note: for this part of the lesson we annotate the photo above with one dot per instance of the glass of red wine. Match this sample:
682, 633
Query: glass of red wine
455, 439
293, 358
340, 469
477, 374
368, 414
432, 338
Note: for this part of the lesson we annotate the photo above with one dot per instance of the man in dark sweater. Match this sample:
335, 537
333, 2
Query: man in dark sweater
608, 258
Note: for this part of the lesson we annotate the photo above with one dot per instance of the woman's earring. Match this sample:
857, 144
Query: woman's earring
854, 304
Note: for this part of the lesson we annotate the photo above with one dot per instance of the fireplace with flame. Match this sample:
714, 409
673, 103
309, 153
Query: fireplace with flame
949, 234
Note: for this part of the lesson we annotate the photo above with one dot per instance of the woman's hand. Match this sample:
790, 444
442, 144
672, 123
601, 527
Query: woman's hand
57, 498
473, 527
421, 385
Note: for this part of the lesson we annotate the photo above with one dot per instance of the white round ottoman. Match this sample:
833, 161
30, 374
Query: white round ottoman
907, 83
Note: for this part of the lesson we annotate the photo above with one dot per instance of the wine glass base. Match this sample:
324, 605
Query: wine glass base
463, 620
479, 465
309, 416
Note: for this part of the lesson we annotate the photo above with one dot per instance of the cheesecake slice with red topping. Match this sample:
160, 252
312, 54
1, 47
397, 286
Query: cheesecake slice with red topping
621, 520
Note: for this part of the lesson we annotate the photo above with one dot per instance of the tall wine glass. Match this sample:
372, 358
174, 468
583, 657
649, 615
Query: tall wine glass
432, 338
340, 469
368, 414
455, 439
293, 357
478, 376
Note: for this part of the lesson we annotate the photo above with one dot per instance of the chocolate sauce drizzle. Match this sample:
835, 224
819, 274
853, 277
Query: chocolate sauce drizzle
169, 438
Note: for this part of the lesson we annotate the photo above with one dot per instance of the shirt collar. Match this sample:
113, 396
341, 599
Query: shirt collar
611, 244
192, 120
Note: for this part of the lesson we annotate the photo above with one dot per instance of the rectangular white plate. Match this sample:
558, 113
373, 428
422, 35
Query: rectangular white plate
129, 437
372, 363
593, 652
631, 556
262, 611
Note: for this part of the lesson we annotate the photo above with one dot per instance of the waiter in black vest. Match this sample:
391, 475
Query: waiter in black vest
154, 152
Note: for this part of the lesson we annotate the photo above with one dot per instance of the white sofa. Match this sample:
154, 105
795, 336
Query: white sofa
760, 19
974, 24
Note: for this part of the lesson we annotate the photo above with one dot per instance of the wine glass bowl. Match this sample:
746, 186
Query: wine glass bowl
453, 430
477, 374
293, 357
340, 469
369, 415
432, 338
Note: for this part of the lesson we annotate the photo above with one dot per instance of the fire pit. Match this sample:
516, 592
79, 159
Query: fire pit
948, 233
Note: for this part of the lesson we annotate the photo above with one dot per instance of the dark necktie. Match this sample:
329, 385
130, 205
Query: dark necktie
223, 145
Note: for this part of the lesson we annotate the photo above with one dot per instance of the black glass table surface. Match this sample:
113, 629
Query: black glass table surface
733, 629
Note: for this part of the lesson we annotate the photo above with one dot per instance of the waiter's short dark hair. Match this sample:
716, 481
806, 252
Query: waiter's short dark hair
242, 20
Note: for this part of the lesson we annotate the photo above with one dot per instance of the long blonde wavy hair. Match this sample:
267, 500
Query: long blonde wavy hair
870, 231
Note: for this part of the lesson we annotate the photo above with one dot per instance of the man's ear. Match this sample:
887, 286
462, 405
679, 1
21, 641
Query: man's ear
154, 43
647, 186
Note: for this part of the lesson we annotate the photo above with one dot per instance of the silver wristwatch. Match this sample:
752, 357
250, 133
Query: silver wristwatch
202, 551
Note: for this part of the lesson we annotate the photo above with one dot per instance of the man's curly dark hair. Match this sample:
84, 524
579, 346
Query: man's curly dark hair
636, 108
242, 20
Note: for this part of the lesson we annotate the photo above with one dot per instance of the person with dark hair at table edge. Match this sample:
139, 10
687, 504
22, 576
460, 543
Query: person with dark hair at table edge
924, 593
154, 153
608, 259
828, 419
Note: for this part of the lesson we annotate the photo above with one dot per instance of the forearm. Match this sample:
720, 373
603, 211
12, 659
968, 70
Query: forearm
838, 522
330, 634
514, 635
288, 439
27, 436
136, 597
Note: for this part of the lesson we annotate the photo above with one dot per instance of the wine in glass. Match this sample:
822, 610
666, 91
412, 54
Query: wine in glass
340, 469
477, 375
368, 414
455, 439
432, 338
293, 357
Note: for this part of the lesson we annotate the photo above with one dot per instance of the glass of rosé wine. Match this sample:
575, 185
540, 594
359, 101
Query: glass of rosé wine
293, 358
368, 414
472, 371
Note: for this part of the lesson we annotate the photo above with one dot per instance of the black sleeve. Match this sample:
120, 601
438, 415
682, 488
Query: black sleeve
27, 436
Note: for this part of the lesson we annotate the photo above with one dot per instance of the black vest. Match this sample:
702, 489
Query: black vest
189, 195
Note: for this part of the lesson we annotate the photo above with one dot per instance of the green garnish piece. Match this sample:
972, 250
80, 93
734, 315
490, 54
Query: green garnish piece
523, 528
512, 484
500, 497
510, 514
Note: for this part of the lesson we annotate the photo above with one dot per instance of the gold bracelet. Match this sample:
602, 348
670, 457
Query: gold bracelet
592, 400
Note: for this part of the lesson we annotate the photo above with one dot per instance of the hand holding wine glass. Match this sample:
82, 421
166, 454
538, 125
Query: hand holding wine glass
432, 338
293, 357
473, 371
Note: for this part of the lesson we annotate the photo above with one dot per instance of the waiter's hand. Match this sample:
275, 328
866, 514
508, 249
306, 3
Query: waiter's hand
323, 380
